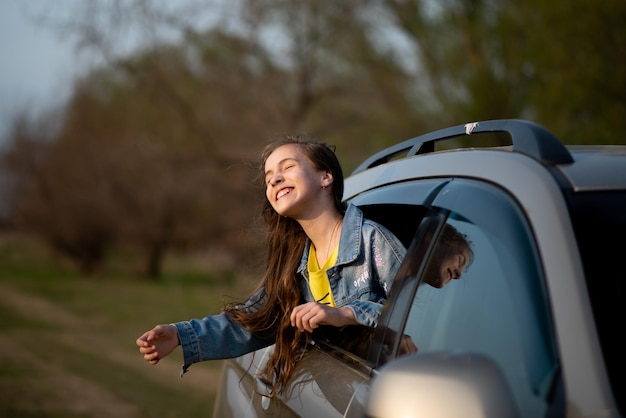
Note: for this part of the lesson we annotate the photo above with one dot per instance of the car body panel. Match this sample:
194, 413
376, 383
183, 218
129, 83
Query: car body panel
545, 208
337, 391
596, 167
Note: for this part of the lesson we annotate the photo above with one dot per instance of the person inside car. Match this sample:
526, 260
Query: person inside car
327, 265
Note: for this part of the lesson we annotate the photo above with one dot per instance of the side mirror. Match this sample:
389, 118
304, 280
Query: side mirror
440, 385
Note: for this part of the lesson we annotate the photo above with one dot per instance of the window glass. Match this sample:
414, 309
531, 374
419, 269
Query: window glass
492, 304
598, 220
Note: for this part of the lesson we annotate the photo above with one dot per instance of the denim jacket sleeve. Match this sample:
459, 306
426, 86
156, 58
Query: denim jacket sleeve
216, 337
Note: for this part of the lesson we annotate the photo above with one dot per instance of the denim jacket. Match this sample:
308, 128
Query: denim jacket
368, 259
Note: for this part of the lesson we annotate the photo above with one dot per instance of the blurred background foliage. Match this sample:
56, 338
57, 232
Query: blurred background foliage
153, 153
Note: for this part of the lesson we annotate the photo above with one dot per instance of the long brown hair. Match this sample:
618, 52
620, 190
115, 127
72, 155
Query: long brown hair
285, 243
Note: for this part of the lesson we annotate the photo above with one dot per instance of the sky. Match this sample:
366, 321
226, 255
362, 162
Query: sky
37, 66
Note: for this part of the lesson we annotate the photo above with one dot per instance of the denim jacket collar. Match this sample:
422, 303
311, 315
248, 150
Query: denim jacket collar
349, 241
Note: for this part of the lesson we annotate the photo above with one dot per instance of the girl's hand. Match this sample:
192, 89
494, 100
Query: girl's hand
310, 315
158, 342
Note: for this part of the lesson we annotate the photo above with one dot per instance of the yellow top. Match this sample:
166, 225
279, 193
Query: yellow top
318, 280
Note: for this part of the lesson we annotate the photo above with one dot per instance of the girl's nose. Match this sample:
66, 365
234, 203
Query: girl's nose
276, 179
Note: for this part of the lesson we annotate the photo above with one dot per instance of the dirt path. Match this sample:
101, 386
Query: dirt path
93, 400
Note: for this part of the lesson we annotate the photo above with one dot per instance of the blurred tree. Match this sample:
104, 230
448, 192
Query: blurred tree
164, 180
162, 133
559, 63
45, 197
341, 84
577, 53
152, 147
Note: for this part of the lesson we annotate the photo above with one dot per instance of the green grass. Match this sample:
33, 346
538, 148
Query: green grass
67, 342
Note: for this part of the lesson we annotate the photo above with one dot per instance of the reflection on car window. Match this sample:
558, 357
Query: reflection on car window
451, 256
494, 305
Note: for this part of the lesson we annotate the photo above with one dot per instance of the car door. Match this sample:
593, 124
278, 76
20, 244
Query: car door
499, 308
324, 385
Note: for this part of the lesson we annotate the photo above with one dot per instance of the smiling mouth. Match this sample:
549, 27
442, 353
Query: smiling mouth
283, 192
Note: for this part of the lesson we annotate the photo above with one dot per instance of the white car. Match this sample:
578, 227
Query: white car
531, 329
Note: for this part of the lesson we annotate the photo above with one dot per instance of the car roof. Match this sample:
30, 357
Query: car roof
579, 168
596, 167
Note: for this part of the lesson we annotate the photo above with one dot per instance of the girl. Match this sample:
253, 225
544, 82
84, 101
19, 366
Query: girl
327, 265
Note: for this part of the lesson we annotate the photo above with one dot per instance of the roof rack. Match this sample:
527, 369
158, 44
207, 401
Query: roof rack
528, 138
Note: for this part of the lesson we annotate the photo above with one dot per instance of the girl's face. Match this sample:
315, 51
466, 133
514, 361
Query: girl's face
448, 268
293, 186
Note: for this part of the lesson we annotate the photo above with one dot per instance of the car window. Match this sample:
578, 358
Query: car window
498, 306
402, 220
598, 219
400, 208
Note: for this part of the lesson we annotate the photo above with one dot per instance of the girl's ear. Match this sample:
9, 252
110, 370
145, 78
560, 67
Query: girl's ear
327, 179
